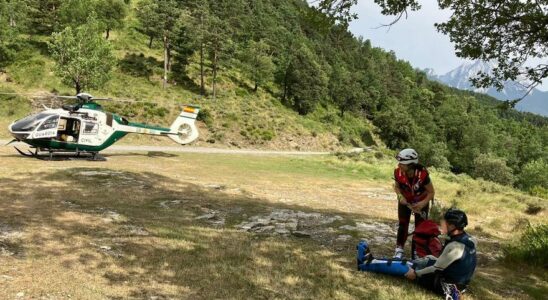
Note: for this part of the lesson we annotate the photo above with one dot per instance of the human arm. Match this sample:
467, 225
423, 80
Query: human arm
430, 192
399, 195
451, 253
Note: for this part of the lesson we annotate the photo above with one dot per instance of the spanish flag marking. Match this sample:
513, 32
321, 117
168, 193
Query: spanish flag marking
189, 109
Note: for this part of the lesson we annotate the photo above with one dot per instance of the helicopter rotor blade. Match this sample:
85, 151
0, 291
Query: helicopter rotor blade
66, 97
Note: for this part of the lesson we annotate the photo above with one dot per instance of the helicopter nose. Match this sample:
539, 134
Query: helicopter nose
17, 135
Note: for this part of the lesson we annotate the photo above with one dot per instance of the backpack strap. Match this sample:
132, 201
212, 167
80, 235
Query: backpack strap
425, 247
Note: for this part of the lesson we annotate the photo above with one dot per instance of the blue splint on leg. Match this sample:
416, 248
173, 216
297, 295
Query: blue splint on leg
363, 252
367, 263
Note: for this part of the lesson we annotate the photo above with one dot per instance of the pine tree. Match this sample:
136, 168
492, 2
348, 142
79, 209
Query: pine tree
257, 63
111, 13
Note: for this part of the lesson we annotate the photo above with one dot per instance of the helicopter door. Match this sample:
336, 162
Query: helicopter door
89, 133
48, 128
68, 130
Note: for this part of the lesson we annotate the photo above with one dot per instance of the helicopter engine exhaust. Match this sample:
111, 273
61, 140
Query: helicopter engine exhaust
183, 129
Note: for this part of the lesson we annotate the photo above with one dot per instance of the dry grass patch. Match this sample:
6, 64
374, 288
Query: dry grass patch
132, 227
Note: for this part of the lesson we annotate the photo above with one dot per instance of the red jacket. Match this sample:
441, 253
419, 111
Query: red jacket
413, 190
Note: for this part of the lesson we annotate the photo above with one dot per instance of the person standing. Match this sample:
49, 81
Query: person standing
414, 190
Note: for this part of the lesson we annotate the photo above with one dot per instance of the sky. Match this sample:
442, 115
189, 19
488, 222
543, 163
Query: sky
414, 39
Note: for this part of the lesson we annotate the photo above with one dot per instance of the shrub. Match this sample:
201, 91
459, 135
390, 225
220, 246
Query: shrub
240, 92
205, 116
434, 154
437, 210
267, 135
532, 246
534, 175
493, 169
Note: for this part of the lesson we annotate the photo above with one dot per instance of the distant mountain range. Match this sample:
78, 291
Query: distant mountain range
536, 102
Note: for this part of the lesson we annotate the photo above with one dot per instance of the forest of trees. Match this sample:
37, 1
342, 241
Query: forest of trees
306, 60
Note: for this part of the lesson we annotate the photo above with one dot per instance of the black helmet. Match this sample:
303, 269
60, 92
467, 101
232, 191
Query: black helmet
456, 217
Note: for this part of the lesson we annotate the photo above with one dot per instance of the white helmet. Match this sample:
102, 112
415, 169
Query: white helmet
408, 156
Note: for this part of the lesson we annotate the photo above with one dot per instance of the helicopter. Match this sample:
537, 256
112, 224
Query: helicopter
84, 129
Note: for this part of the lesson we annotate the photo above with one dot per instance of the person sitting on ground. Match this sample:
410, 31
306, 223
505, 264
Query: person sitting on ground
414, 191
457, 262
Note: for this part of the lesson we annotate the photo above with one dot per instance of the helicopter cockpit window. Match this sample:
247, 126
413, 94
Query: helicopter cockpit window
29, 123
49, 123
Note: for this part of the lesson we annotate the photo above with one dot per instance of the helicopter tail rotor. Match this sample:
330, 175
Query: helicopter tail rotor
183, 130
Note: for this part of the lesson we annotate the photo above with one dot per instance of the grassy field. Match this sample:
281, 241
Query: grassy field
133, 227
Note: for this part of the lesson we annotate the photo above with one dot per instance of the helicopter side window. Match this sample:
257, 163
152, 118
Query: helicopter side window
62, 125
91, 128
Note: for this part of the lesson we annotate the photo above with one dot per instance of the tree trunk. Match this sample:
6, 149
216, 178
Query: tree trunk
168, 53
108, 34
77, 86
256, 87
151, 37
286, 88
202, 87
165, 61
214, 75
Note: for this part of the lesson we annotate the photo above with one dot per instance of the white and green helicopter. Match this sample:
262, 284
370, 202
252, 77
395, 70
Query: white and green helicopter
84, 129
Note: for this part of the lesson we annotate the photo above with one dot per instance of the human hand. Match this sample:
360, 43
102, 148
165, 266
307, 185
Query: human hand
417, 207
401, 199
411, 275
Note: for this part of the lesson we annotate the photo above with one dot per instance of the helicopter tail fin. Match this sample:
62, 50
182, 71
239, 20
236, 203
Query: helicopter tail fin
183, 129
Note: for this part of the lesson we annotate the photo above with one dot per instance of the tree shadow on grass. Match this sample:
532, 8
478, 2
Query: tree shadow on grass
139, 232
139, 65
41, 46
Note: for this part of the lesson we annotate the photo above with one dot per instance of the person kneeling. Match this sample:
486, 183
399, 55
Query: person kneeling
456, 264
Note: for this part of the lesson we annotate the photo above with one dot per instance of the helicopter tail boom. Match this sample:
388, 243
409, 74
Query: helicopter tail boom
183, 129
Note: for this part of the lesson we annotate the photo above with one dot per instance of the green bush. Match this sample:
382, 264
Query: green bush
6, 55
533, 176
437, 210
29, 72
493, 169
205, 116
13, 106
433, 153
532, 247
240, 92
267, 135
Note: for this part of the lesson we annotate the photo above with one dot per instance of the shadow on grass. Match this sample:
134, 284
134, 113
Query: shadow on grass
41, 46
139, 65
143, 237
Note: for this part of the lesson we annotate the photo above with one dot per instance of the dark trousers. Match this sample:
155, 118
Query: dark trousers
404, 217
430, 281
434, 283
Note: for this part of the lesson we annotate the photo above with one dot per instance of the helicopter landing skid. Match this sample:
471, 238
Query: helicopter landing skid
50, 155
